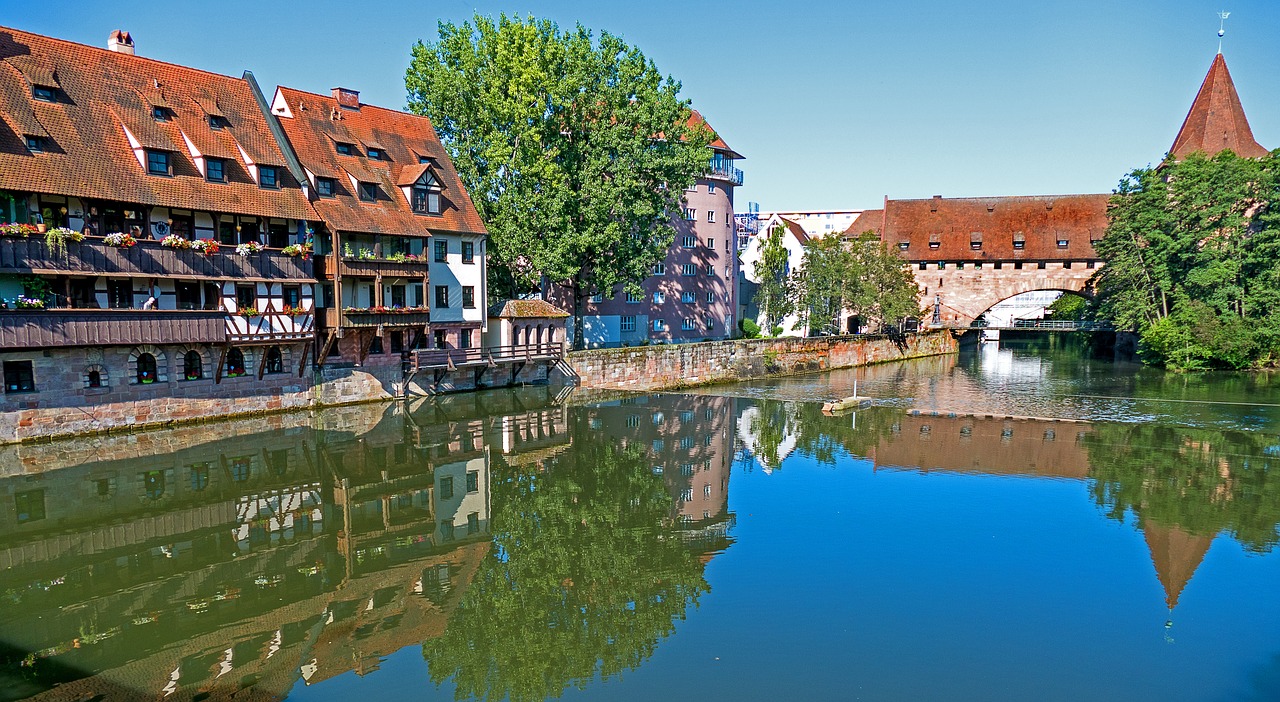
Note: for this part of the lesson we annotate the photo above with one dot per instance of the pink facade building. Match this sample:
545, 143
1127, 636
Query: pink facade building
691, 295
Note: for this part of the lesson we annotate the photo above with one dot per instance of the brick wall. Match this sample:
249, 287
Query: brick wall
667, 367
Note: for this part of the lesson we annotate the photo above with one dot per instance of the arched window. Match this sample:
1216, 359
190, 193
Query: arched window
192, 366
275, 360
146, 368
95, 379
235, 363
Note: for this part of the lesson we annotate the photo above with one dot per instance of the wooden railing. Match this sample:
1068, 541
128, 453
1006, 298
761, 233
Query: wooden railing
334, 317
272, 327
148, 258
34, 329
491, 355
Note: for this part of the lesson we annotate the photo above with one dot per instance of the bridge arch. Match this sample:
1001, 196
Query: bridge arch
960, 295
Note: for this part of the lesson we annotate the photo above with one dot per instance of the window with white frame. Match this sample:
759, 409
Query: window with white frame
690, 214
659, 298
711, 243
711, 297
689, 269
711, 324
628, 323
688, 242
711, 188
711, 216
710, 269
598, 297
634, 298
687, 325
686, 296
659, 325
659, 269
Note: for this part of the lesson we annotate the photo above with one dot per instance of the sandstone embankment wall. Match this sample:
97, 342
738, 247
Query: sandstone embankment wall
669, 367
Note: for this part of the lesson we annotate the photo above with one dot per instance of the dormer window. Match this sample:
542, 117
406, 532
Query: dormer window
35, 144
344, 148
376, 154
424, 160
1063, 243
426, 194
268, 177
158, 163
369, 192
216, 122
215, 170
42, 93
161, 114
904, 245
325, 187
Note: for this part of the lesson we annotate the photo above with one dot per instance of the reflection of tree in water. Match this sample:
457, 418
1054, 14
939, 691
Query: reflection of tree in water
815, 434
1202, 480
588, 573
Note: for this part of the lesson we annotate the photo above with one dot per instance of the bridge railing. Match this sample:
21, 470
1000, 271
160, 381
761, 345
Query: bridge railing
489, 355
1062, 325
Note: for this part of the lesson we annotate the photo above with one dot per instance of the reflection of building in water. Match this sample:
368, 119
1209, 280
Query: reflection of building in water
238, 567
689, 440
1030, 448
754, 430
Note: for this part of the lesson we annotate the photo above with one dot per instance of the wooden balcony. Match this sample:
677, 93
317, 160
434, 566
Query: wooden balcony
338, 318
270, 328
372, 267
35, 329
149, 259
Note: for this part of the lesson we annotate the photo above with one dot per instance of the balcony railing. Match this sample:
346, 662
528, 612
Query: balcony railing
147, 258
370, 267
722, 172
272, 327
491, 355
415, 317
34, 329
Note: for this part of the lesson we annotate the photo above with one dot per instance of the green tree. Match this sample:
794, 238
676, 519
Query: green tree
1068, 307
773, 297
1192, 262
886, 290
586, 575
820, 289
575, 149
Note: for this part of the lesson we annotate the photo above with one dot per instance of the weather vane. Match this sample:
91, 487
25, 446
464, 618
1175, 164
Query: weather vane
1222, 27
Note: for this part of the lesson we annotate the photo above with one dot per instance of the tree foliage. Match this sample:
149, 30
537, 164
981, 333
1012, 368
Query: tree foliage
575, 149
1192, 254
586, 575
773, 297
861, 276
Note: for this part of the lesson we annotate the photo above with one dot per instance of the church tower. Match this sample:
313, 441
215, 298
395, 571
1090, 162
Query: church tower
1216, 121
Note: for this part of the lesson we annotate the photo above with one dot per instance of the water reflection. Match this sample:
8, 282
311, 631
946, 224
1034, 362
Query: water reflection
524, 545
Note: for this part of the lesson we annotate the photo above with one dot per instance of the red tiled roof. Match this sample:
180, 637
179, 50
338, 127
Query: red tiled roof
403, 137
526, 309
867, 221
796, 230
954, 224
696, 118
100, 94
1216, 121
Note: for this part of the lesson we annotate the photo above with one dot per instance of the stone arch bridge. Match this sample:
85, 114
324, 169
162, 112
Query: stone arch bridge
968, 254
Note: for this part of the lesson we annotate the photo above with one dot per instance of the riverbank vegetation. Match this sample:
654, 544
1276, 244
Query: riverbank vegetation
1192, 262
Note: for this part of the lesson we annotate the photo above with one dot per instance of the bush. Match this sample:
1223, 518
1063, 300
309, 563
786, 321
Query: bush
750, 330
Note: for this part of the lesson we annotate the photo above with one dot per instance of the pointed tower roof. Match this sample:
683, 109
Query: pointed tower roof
1216, 121
1176, 555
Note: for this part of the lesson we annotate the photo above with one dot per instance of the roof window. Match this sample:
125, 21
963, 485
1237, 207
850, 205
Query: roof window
369, 192
344, 148
42, 93
268, 177
35, 144
325, 187
376, 154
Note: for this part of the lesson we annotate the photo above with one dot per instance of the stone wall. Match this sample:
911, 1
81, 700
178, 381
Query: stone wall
668, 367
66, 402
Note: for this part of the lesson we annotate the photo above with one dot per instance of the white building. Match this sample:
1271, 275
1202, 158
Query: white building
794, 238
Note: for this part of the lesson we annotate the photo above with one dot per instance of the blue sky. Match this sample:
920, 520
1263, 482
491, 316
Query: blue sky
834, 104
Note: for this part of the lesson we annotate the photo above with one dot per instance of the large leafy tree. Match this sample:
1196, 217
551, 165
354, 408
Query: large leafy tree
575, 149
822, 287
588, 573
1192, 255
884, 290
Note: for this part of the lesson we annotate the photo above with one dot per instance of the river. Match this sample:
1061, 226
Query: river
1016, 523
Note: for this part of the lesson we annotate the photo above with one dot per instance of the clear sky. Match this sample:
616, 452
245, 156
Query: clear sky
834, 104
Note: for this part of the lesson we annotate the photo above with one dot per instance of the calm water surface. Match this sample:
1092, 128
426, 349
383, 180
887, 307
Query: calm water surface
733, 544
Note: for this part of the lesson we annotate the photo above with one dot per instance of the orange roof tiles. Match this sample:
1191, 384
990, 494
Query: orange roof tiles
946, 229
315, 123
797, 231
1216, 121
696, 118
526, 309
102, 93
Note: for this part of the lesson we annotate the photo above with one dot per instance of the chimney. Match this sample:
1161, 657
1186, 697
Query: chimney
347, 98
120, 42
